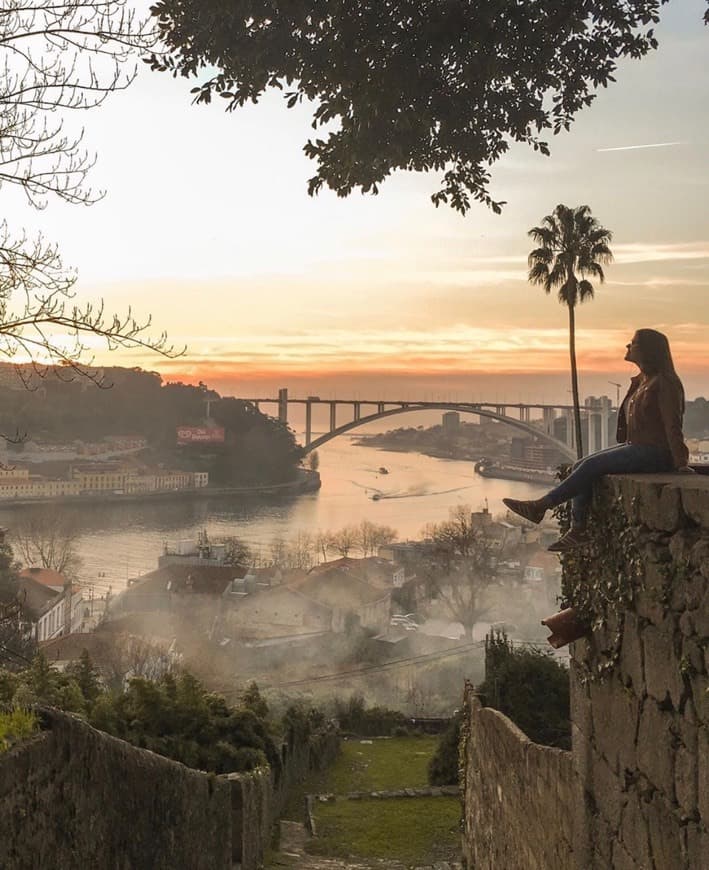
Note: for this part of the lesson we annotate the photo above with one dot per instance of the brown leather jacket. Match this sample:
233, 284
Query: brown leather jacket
651, 413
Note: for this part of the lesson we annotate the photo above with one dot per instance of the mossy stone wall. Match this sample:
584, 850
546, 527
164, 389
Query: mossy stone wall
634, 792
517, 795
640, 689
75, 798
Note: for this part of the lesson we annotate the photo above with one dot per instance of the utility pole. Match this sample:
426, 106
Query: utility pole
67, 606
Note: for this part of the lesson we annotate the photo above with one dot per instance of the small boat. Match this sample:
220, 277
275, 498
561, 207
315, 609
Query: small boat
383, 470
376, 496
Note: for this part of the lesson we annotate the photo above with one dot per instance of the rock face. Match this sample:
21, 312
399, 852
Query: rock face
640, 701
634, 792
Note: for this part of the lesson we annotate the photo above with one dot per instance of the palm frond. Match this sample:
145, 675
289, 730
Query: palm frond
601, 252
543, 235
585, 291
592, 268
540, 255
558, 274
600, 235
539, 274
571, 243
568, 292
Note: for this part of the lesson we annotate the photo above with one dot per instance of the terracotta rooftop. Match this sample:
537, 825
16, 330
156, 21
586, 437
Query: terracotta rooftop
35, 596
204, 579
338, 587
45, 576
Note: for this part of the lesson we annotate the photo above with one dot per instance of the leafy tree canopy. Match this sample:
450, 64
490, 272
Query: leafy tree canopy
420, 85
257, 448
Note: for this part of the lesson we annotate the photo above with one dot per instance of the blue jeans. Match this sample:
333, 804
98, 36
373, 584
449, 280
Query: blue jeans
621, 459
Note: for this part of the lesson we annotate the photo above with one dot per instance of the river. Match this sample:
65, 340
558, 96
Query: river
120, 541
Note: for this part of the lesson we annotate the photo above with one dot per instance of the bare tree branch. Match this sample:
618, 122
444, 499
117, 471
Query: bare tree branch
56, 57
462, 567
47, 539
60, 56
45, 332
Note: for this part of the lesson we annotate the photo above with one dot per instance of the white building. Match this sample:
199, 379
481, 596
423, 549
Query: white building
56, 620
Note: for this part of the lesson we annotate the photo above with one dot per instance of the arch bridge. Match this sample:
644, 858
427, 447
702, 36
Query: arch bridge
517, 415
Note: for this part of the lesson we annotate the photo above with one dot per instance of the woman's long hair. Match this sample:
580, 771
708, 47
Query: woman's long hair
656, 356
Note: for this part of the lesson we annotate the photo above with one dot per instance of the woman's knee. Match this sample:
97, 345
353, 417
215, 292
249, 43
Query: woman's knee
580, 463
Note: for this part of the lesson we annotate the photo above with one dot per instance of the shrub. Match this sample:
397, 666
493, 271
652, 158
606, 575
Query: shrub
173, 716
252, 699
355, 717
530, 687
16, 725
176, 717
443, 766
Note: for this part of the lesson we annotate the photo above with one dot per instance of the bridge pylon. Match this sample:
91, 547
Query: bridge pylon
308, 423
283, 405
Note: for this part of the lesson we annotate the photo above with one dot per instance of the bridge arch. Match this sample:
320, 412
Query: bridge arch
442, 406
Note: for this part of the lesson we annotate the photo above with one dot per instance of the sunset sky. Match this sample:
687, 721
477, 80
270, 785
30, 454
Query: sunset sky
207, 224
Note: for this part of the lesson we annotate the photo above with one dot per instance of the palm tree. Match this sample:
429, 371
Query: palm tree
572, 243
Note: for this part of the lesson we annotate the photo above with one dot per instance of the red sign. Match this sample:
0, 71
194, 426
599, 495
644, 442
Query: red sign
200, 435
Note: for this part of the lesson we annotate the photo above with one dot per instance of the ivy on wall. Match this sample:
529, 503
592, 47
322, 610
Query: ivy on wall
600, 579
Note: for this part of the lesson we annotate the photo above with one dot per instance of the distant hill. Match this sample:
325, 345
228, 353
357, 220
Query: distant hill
256, 449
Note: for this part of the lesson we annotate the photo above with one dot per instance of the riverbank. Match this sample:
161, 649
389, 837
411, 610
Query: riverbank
458, 454
304, 482
523, 475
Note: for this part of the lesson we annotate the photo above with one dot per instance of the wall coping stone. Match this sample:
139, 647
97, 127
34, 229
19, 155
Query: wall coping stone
383, 794
662, 501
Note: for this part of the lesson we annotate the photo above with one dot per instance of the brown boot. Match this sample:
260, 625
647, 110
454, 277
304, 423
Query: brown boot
575, 537
530, 510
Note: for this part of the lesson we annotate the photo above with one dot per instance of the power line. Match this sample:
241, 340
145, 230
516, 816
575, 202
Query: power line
450, 653
424, 657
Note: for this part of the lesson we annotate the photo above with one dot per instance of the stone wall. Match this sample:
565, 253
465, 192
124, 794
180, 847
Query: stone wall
640, 702
634, 793
74, 798
251, 803
299, 757
258, 797
517, 796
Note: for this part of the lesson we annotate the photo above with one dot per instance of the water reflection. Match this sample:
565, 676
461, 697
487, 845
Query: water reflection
124, 540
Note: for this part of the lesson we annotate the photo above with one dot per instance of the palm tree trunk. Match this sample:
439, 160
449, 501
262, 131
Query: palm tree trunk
575, 382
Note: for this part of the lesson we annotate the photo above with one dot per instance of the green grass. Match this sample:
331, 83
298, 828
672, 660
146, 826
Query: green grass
410, 830
15, 726
401, 762
384, 764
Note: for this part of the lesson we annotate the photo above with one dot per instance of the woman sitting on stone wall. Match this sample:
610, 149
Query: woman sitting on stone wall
649, 436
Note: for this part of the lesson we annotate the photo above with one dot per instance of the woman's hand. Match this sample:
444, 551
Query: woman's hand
685, 469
